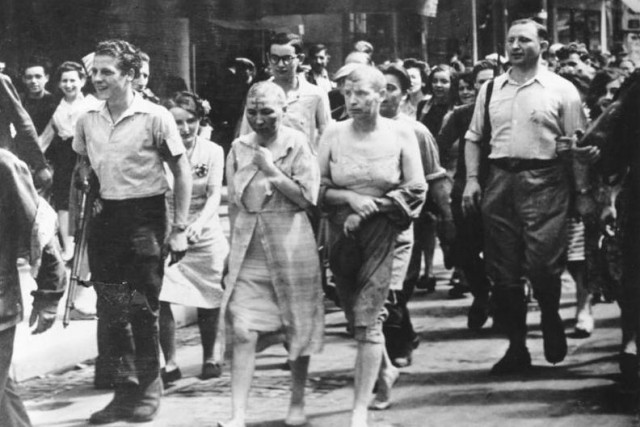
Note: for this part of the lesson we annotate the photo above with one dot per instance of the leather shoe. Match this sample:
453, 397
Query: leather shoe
515, 361
553, 336
169, 377
120, 408
210, 370
147, 404
478, 313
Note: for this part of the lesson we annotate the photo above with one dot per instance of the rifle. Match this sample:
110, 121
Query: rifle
80, 236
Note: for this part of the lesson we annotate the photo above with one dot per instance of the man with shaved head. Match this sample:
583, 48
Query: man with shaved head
372, 186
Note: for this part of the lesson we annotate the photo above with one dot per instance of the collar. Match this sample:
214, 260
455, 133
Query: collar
543, 76
138, 105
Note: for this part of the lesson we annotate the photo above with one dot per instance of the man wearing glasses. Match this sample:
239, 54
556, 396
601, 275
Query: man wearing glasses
307, 107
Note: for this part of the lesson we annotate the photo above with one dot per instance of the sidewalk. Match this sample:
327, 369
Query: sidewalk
447, 385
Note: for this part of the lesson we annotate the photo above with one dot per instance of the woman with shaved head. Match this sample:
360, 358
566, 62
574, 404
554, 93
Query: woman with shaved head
372, 187
273, 288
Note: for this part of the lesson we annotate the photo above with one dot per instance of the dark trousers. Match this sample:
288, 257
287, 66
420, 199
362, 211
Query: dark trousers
469, 245
12, 411
424, 244
125, 256
525, 219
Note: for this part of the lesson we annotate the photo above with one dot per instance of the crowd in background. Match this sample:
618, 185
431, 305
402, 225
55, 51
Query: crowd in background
314, 163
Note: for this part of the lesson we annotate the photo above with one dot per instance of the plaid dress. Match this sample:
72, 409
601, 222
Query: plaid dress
286, 235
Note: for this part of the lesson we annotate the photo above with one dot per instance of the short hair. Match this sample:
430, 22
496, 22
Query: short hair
70, 66
541, 30
400, 73
357, 57
144, 57
316, 49
189, 102
287, 38
578, 48
37, 61
268, 89
370, 74
126, 54
485, 64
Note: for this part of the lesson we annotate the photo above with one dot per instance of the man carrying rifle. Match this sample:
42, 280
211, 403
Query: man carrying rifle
126, 139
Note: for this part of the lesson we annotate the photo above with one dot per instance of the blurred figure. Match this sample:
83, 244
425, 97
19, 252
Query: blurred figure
419, 74
37, 100
318, 75
141, 83
573, 60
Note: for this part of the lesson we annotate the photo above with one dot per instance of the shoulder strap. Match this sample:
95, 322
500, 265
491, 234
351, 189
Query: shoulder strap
487, 119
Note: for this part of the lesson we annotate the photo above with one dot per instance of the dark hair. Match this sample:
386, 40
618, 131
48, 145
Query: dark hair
598, 87
189, 102
127, 55
422, 67
485, 64
453, 76
543, 34
287, 38
37, 61
70, 66
467, 77
400, 73
316, 49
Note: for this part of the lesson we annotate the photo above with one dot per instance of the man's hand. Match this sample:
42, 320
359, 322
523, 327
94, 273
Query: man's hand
45, 316
471, 197
352, 224
177, 245
43, 179
365, 206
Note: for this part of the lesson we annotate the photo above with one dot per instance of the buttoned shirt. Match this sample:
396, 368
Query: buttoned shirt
126, 154
527, 119
307, 111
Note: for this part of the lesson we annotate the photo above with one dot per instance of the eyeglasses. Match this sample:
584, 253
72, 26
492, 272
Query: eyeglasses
275, 59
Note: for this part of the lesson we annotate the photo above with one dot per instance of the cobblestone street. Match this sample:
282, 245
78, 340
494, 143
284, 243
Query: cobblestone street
448, 383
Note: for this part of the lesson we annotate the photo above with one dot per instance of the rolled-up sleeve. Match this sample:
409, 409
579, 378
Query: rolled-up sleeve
476, 127
573, 115
167, 135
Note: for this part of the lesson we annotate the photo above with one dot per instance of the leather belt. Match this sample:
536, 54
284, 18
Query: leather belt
510, 164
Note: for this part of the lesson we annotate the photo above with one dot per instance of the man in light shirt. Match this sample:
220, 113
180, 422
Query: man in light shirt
126, 139
532, 113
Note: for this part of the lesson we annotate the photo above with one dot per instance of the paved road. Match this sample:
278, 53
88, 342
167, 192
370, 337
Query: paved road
448, 384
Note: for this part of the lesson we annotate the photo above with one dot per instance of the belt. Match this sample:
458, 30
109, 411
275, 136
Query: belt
510, 164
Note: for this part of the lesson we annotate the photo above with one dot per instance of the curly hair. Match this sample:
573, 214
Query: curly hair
126, 54
453, 98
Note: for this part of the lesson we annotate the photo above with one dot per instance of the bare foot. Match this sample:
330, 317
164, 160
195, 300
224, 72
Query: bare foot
232, 423
296, 416
386, 380
358, 419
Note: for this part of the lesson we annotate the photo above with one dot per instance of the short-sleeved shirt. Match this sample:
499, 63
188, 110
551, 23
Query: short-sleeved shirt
428, 148
526, 119
126, 155
307, 111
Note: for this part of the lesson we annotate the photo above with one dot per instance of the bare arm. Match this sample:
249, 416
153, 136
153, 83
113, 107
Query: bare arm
181, 170
472, 191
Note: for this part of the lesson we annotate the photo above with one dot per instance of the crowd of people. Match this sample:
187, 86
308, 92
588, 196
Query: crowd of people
338, 187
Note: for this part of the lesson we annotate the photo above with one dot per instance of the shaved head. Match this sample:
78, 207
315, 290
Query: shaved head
370, 75
268, 90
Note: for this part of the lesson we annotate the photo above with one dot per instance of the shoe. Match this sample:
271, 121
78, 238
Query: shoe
147, 404
385, 383
478, 312
584, 326
553, 336
169, 377
119, 409
402, 361
516, 360
210, 370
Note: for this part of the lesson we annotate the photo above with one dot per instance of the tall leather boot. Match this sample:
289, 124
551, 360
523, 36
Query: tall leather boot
553, 335
512, 304
144, 325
